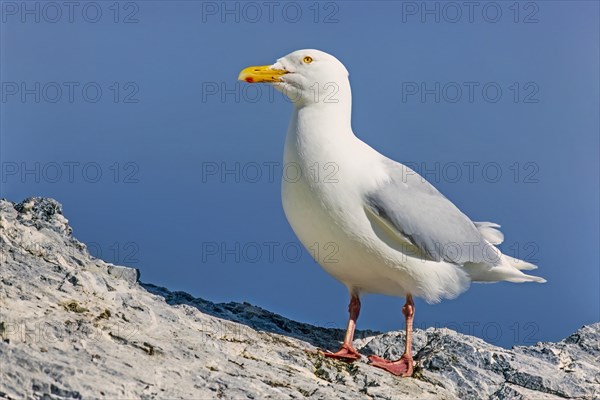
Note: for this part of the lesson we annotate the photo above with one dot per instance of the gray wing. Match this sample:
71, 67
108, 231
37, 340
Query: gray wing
418, 215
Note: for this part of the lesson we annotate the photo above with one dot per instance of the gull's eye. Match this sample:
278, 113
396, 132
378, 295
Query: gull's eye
307, 60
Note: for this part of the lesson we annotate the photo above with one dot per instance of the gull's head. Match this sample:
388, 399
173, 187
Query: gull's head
304, 76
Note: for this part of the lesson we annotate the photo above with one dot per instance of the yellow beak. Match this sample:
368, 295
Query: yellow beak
262, 73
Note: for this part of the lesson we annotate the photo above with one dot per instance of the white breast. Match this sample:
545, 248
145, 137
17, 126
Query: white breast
325, 209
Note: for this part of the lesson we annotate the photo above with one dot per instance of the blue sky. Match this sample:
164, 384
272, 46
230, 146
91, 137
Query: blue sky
131, 117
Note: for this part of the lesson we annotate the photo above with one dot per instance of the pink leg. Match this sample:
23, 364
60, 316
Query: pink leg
404, 365
347, 352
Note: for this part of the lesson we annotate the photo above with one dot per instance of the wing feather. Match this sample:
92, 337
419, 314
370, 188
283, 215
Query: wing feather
418, 213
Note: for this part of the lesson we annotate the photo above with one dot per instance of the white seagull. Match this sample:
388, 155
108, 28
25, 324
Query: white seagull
372, 223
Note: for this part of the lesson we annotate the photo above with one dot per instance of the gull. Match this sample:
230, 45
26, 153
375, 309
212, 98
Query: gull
372, 223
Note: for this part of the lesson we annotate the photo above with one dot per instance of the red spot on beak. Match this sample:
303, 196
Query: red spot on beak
249, 79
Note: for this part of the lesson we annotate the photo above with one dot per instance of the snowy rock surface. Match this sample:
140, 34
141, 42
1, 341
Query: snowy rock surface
75, 327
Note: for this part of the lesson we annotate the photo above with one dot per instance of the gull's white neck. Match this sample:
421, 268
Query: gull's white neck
325, 122
320, 136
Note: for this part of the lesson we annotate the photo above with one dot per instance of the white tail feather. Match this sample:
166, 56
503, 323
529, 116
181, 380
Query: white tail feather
520, 264
508, 269
490, 232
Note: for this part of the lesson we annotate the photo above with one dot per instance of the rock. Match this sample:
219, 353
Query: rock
75, 327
